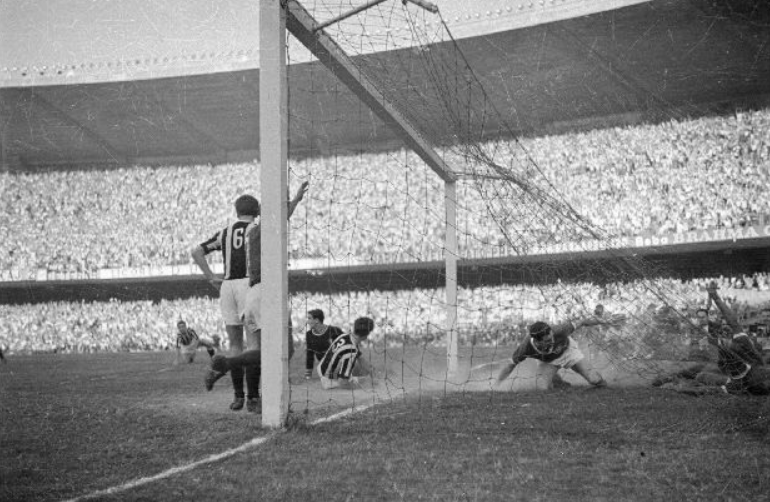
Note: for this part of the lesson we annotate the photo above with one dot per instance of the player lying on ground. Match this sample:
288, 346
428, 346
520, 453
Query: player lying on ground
249, 362
555, 347
342, 365
188, 341
740, 368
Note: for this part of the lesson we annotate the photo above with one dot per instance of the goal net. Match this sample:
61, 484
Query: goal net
371, 238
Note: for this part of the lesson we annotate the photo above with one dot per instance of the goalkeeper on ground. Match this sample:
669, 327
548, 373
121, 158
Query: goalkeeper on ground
188, 341
555, 347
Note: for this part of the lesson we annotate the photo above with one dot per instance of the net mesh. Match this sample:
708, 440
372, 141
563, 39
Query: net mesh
534, 255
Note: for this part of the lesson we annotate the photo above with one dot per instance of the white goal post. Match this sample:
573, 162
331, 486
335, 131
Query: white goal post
276, 16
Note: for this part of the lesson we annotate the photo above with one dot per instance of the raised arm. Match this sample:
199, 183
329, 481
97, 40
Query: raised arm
293, 203
726, 311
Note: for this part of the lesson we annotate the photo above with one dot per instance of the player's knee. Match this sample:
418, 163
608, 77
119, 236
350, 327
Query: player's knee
598, 381
709, 378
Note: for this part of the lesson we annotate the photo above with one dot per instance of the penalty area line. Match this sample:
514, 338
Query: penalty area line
253, 443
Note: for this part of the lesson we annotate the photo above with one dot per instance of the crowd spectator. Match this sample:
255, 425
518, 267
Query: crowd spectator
488, 316
678, 176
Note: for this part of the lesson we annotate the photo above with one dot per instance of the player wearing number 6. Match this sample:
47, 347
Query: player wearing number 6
233, 286
555, 347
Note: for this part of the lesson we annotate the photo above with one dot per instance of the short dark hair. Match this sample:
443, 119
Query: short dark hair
363, 326
316, 314
247, 205
181, 322
539, 330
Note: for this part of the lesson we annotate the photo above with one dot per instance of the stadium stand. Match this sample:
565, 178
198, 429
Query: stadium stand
114, 326
677, 176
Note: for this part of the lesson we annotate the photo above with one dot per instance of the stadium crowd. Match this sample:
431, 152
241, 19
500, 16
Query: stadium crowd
487, 316
677, 176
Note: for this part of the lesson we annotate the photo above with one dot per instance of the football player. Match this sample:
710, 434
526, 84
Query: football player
555, 347
341, 366
188, 341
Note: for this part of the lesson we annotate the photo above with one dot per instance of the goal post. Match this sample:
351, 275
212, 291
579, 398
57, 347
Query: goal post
273, 148
276, 17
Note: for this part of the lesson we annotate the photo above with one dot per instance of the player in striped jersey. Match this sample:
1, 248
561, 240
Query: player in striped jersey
187, 343
244, 245
318, 339
342, 364
233, 286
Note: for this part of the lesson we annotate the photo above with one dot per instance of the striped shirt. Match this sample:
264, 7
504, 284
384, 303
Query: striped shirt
339, 360
231, 241
186, 337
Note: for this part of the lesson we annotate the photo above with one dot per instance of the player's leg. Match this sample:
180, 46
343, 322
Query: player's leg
584, 369
252, 320
558, 382
235, 338
710, 377
574, 359
208, 345
232, 305
758, 380
221, 365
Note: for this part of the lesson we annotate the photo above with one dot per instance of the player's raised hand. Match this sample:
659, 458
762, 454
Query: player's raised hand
712, 288
216, 282
301, 191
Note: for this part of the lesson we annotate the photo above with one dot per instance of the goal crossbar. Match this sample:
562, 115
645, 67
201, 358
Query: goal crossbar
304, 27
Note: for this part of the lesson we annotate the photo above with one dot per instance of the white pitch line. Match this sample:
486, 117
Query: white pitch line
208, 460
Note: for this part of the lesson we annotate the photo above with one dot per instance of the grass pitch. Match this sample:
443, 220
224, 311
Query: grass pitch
74, 425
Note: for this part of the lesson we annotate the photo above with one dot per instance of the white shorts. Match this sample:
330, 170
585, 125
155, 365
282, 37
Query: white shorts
252, 316
188, 351
232, 300
570, 357
328, 383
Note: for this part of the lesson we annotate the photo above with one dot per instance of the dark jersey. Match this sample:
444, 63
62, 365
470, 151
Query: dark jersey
254, 254
339, 360
737, 356
231, 241
186, 338
317, 345
531, 348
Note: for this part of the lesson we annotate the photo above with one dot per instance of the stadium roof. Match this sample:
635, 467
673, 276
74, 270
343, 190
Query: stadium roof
113, 83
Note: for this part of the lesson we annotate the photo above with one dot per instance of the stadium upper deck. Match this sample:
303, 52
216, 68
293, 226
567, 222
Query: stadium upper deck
145, 82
